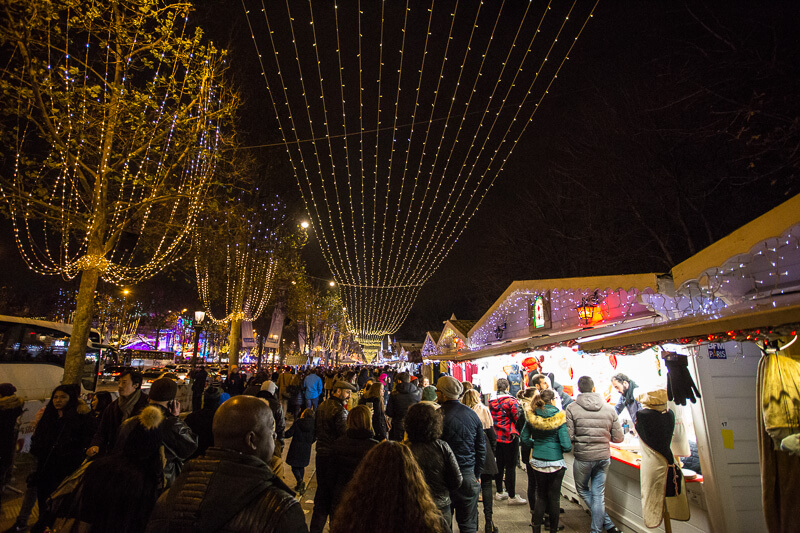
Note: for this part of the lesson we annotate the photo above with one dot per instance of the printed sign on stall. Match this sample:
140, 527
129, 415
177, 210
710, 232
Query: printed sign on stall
717, 351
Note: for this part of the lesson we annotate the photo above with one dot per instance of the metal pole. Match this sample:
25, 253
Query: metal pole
197, 329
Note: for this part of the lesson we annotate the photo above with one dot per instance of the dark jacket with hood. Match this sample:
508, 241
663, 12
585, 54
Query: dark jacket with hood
180, 442
277, 413
331, 424
463, 431
403, 397
59, 443
592, 424
348, 451
303, 435
228, 492
440, 468
545, 432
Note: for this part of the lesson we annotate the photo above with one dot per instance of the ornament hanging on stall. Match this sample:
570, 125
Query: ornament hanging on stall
563, 364
541, 359
658, 364
613, 360
571, 373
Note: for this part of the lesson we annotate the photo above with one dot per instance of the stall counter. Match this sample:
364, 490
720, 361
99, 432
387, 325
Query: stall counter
624, 496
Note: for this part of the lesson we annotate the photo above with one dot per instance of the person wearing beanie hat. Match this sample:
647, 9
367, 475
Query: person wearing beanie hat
429, 396
463, 431
180, 442
270, 387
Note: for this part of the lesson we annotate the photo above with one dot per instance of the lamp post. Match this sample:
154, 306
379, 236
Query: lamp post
125, 293
199, 316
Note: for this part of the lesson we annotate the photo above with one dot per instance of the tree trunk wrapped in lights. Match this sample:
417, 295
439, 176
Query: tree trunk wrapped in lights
115, 110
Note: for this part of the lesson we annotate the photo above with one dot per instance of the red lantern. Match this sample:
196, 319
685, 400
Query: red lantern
613, 360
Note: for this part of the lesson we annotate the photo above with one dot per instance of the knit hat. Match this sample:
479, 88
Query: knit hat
655, 399
163, 390
450, 387
429, 394
269, 386
212, 396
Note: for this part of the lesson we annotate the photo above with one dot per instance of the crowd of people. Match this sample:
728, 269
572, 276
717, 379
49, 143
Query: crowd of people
443, 451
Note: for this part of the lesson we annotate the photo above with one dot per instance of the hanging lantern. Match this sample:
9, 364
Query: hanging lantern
613, 360
588, 306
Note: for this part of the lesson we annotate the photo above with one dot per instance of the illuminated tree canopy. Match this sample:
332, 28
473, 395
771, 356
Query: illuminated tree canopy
112, 115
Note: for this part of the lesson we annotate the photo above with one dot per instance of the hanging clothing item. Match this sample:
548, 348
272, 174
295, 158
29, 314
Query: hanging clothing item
680, 437
661, 478
780, 471
780, 396
514, 381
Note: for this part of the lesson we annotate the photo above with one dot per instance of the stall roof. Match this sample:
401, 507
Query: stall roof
538, 286
543, 341
770, 224
765, 315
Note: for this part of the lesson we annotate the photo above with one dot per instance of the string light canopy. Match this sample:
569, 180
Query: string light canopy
397, 119
119, 111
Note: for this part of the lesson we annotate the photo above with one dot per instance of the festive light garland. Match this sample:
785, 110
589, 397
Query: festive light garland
436, 117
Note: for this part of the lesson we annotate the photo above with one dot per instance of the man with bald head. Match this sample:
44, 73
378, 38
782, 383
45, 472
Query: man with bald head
231, 488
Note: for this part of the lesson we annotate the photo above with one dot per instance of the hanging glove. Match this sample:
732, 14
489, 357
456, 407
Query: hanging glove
680, 385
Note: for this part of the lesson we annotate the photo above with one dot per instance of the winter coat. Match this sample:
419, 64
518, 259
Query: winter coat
592, 424
505, 411
10, 409
228, 492
201, 423
463, 431
406, 395
545, 432
106, 435
331, 424
180, 442
303, 435
312, 386
59, 443
348, 451
490, 464
439, 465
277, 414
378, 417
628, 401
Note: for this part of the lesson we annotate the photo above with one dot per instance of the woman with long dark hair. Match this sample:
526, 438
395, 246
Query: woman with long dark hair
388, 493
472, 400
59, 444
545, 432
373, 399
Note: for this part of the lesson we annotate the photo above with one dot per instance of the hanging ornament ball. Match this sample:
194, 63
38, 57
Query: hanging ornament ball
613, 360
530, 363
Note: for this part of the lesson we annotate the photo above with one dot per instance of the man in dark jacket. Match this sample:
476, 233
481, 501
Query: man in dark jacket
231, 488
130, 403
180, 442
463, 431
331, 424
592, 424
404, 396
235, 382
626, 387
199, 378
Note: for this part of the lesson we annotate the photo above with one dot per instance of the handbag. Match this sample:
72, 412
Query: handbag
62, 499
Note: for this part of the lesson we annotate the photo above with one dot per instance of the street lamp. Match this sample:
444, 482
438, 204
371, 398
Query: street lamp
199, 317
304, 224
125, 293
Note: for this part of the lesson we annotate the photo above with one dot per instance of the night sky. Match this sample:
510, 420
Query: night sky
669, 127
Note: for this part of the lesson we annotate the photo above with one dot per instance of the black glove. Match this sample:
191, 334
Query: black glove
680, 385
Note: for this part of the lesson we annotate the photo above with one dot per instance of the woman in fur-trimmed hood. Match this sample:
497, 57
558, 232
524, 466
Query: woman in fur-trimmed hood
545, 432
